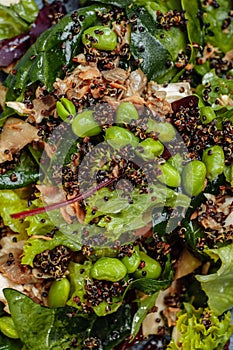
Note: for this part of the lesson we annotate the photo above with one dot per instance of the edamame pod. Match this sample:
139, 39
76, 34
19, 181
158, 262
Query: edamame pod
207, 114
132, 262
176, 161
118, 137
149, 149
100, 37
109, 269
193, 177
84, 125
165, 130
59, 293
65, 108
214, 160
228, 172
149, 267
169, 175
7, 327
126, 112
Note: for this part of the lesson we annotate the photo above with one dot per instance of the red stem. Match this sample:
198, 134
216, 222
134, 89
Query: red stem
64, 203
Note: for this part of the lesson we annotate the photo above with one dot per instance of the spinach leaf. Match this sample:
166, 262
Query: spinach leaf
147, 48
24, 174
144, 306
52, 52
149, 285
213, 20
60, 328
193, 26
114, 328
43, 328
9, 344
118, 3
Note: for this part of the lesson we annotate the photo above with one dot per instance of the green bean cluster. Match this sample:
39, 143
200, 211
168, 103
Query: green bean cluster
191, 176
174, 172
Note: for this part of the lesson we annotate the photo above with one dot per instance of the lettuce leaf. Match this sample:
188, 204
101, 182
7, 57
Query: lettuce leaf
201, 329
219, 286
34, 246
10, 202
16, 18
122, 216
223, 39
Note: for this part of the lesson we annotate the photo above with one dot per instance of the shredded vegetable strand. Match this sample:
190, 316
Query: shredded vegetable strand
64, 203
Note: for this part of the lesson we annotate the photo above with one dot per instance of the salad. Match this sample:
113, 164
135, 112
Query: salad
116, 175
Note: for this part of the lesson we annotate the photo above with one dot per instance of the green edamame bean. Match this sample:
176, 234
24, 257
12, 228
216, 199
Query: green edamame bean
207, 114
65, 108
177, 162
132, 262
228, 172
165, 130
214, 160
118, 137
169, 175
100, 37
7, 327
59, 293
149, 148
109, 269
151, 267
85, 125
126, 112
193, 177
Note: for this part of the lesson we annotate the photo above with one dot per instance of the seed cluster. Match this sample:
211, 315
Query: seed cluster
198, 136
92, 343
109, 59
98, 291
213, 3
104, 115
54, 262
172, 18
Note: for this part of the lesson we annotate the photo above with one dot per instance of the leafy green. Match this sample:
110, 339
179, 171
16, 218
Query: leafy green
193, 26
34, 246
78, 276
124, 216
61, 328
43, 328
13, 202
26, 173
149, 285
219, 86
15, 19
10, 202
53, 50
218, 286
214, 18
26, 9
228, 172
9, 344
146, 47
144, 306
113, 328
201, 329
